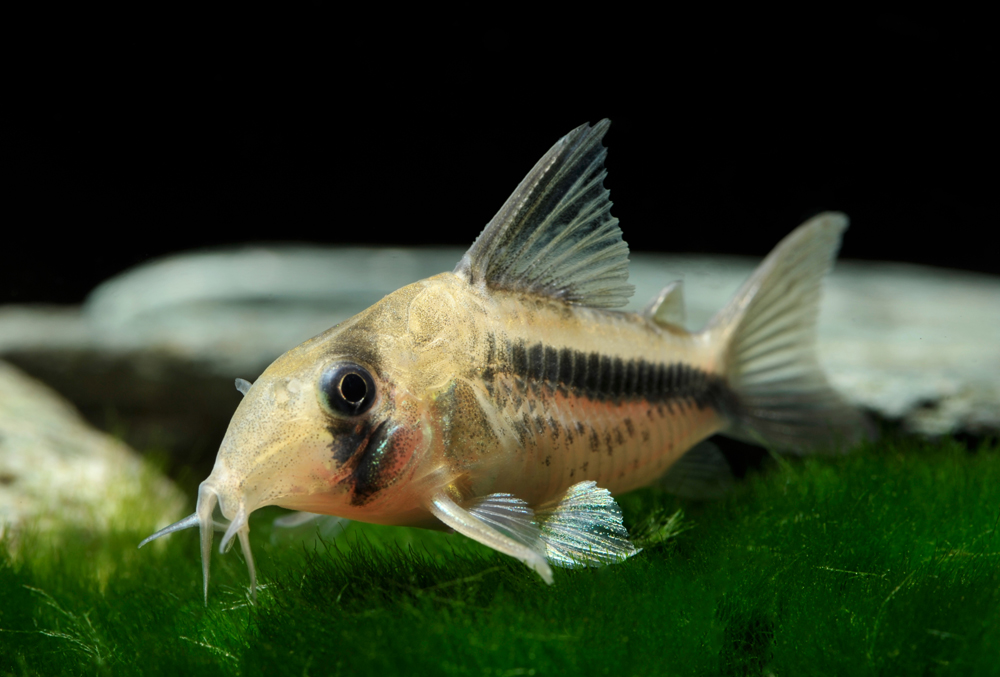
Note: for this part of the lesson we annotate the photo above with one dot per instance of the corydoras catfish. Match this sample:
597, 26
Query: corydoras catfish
508, 401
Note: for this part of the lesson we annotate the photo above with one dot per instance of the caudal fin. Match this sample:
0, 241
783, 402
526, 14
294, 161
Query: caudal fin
768, 334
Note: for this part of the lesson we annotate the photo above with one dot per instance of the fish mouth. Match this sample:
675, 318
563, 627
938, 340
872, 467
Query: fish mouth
208, 498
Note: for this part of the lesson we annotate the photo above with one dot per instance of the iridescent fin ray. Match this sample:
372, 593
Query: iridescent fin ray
510, 516
496, 512
583, 527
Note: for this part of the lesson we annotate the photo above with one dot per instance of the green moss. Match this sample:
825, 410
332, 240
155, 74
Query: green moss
886, 561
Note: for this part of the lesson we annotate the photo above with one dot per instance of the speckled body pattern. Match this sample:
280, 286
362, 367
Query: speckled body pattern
465, 401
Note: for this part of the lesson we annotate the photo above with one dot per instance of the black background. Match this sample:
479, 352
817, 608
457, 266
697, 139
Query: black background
136, 135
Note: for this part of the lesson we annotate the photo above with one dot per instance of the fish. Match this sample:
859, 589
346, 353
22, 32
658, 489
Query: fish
511, 399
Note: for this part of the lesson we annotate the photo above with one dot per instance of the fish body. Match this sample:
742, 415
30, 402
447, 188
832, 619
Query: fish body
509, 400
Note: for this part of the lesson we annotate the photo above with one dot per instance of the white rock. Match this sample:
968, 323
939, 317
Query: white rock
56, 470
910, 343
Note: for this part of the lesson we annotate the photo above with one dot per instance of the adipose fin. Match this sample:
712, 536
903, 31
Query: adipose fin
667, 309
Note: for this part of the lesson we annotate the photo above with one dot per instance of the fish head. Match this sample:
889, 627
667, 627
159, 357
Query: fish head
340, 425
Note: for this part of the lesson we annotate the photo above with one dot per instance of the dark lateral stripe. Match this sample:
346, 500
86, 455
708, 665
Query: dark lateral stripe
605, 377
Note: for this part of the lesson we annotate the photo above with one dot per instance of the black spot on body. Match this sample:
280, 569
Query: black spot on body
522, 428
538, 370
593, 376
643, 374
604, 383
491, 350
516, 399
371, 472
565, 375
630, 387
539, 425
551, 360
345, 444
617, 387
536, 363
519, 359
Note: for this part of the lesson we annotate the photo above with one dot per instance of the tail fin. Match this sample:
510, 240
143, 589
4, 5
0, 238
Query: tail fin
768, 334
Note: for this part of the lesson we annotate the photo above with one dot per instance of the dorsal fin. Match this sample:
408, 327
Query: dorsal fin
555, 235
667, 308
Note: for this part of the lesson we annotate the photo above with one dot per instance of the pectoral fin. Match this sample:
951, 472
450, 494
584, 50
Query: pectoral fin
500, 521
583, 527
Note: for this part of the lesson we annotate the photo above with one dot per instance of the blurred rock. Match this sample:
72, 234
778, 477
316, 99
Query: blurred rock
157, 348
55, 469
912, 344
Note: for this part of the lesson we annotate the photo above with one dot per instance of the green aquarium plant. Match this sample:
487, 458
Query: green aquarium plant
884, 561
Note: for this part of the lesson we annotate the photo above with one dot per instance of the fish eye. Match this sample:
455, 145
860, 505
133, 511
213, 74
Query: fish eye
347, 389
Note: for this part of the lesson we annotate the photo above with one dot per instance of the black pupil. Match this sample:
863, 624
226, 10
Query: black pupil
353, 388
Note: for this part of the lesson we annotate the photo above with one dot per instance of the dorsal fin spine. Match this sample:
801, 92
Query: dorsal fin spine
555, 235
